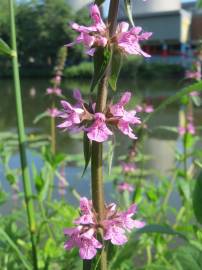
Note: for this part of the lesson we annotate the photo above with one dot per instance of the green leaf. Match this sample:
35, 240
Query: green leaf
11, 178
87, 147
40, 116
196, 100
197, 198
110, 156
5, 49
194, 87
21, 256
188, 258
129, 11
155, 228
185, 188
101, 60
116, 63
99, 2
199, 4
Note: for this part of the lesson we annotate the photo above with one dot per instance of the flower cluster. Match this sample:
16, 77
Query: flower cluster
114, 226
195, 73
188, 128
83, 117
146, 108
97, 35
127, 167
124, 186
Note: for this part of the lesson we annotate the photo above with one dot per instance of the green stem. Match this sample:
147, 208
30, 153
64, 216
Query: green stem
53, 132
22, 141
43, 213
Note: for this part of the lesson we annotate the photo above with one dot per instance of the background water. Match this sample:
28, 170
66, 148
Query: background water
161, 146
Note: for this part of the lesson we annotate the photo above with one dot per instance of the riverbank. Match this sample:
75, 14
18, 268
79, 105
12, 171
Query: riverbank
131, 69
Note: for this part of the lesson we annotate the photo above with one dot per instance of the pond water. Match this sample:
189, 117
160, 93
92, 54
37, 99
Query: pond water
160, 146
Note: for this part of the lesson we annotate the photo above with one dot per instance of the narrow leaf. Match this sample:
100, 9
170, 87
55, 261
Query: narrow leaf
116, 63
101, 61
5, 236
196, 100
87, 145
197, 198
40, 116
194, 87
129, 11
5, 49
110, 157
155, 228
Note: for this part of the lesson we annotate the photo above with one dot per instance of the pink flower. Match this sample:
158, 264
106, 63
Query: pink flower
57, 79
71, 115
117, 223
85, 241
98, 131
196, 73
82, 116
124, 186
181, 130
114, 225
97, 35
148, 108
189, 127
193, 75
124, 118
92, 36
53, 112
54, 91
194, 94
127, 166
139, 108
128, 40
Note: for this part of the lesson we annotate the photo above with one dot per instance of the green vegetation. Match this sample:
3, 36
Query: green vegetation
132, 67
42, 28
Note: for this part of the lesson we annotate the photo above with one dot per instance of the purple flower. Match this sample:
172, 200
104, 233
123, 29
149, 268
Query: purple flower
128, 40
53, 112
194, 94
97, 35
54, 91
82, 116
188, 127
71, 114
98, 131
85, 241
148, 108
117, 224
114, 225
124, 186
128, 166
91, 36
124, 118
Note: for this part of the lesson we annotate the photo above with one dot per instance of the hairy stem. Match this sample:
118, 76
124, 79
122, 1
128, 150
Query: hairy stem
22, 141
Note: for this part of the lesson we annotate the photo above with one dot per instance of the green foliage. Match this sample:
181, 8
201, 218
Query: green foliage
42, 28
102, 58
4, 48
87, 147
82, 70
197, 198
116, 62
128, 9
